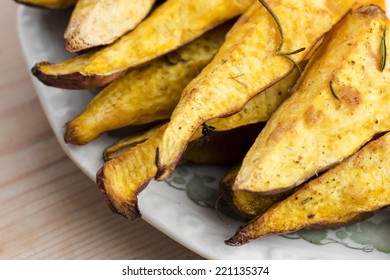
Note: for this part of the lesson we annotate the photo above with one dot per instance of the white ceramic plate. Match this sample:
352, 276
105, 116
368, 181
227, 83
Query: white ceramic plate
169, 209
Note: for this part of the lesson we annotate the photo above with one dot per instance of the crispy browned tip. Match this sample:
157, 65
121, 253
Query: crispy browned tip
73, 80
70, 136
245, 232
163, 172
240, 238
128, 210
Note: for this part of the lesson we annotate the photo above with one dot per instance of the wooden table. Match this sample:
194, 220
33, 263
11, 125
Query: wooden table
49, 208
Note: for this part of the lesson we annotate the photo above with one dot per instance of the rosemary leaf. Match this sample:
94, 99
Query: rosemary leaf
332, 90
382, 64
294, 52
268, 8
293, 61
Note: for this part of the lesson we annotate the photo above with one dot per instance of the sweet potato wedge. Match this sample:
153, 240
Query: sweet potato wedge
351, 191
100, 22
122, 178
147, 94
247, 63
137, 164
171, 25
247, 204
257, 110
340, 103
49, 4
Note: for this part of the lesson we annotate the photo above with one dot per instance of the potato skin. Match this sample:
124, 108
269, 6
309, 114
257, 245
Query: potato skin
171, 25
100, 22
346, 194
48, 4
246, 64
315, 129
72, 80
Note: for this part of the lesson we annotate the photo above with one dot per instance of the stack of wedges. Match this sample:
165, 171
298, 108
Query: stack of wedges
296, 94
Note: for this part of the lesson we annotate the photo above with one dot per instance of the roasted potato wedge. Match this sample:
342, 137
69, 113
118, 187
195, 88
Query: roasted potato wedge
49, 4
147, 94
340, 103
171, 25
247, 204
349, 192
122, 178
100, 22
247, 63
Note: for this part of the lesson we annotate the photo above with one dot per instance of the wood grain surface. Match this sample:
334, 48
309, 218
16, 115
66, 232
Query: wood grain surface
50, 209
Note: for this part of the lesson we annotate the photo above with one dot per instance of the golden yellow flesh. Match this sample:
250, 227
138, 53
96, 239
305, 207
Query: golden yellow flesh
100, 22
353, 189
171, 25
246, 64
314, 129
122, 178
146, 94
51, 4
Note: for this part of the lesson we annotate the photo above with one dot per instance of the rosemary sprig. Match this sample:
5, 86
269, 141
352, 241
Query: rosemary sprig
293, 61
332, 90
286, 55
382, 64
268, 8
293, 52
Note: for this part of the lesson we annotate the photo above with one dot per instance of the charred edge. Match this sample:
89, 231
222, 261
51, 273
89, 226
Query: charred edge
133, 212
67, 134
160, 171
130, 212
102, 189
370, 10
164, 171
74, 80
239, 238
70, 136
107, 156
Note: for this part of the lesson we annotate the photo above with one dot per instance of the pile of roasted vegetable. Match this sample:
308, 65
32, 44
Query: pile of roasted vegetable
295, 93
